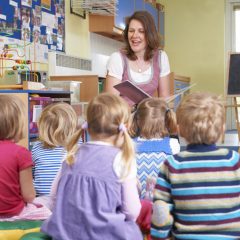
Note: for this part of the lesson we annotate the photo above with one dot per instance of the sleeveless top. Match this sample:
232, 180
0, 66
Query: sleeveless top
150, 86
149, 156
89, 199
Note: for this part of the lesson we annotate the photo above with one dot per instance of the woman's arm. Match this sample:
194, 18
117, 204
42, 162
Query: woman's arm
164, 86
110, 82
26, 185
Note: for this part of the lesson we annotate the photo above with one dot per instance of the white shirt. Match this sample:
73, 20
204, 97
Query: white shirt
115, 68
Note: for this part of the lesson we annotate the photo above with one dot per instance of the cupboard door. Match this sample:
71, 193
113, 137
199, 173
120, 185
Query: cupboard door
139, 5
125, 8
154, 12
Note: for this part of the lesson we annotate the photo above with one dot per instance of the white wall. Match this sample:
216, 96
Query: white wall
101, 48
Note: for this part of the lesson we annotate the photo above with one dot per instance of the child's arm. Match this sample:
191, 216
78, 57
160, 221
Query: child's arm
130, 198
162, 219
26, 184
131, 203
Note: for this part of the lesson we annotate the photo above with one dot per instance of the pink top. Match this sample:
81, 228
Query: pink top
13, 159
150, 86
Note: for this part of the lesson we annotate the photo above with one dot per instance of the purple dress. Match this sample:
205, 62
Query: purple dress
89, 200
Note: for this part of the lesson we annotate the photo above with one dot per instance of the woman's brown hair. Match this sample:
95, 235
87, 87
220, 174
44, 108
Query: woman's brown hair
151, 34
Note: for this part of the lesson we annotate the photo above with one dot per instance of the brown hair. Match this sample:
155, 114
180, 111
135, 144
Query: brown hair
12, 115
201, 118
57, 123
105, 113
151, 34
153, 119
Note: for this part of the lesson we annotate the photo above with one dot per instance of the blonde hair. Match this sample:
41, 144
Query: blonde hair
57, 123
12, 115
201, 118
105, 113
153, 119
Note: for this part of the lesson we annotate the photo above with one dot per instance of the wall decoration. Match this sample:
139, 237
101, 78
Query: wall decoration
77, 11
38, 21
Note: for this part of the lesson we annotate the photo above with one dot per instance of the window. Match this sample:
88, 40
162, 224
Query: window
237, 28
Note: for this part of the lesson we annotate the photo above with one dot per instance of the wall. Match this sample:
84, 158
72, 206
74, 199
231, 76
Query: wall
77, 34
194, 37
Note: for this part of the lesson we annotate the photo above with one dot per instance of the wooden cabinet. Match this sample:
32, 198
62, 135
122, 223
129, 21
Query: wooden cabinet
112, 26
27, 96
88, 88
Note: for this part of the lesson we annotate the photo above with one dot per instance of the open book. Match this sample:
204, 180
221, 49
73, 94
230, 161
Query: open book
131, 91
135, 94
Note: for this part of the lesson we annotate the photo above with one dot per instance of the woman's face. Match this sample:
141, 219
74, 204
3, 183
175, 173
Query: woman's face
136, 37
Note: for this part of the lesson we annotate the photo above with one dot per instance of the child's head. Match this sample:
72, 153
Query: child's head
12, 116
57, 123
201, 118
107, 117
153, 119
104, 115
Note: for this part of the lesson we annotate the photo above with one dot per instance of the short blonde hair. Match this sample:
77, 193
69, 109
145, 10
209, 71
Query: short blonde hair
201, 118
105, 113
57, 123
153, 119
12, 118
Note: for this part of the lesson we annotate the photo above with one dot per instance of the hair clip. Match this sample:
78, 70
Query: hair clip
122, 128
84, 125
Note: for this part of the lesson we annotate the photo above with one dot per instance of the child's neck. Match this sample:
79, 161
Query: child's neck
110, 140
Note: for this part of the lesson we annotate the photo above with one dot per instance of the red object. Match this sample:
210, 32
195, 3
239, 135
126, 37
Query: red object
144, 218
13, 159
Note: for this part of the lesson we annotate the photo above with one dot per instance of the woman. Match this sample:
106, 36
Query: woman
141, 61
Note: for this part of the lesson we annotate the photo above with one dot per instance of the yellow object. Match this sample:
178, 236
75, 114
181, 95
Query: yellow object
16, 234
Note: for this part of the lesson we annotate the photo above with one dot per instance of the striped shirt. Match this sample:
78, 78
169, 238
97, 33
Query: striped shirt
202, 189
47, 163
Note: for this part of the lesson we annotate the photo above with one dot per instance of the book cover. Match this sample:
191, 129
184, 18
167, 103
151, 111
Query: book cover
131, 91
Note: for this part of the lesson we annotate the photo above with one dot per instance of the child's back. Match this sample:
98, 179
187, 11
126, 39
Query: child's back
92, 198
200, 184
16, 183
152, 125
56, 125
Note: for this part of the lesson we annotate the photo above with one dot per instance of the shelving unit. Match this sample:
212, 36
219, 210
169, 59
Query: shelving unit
177, 83
25, 96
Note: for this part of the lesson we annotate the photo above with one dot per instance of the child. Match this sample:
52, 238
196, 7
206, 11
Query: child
16, 184
153, 123
57, 123
200, 184
97, 194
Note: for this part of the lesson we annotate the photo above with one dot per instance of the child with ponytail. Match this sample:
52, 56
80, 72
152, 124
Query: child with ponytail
97, 194
152, 127
153, 124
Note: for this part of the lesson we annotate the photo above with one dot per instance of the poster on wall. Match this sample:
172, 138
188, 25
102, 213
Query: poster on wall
34, 21
46, 4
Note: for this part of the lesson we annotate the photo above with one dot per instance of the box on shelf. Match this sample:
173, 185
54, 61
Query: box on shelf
72, 86
36, 106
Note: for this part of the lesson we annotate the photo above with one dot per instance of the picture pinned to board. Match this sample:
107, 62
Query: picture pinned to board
37, 21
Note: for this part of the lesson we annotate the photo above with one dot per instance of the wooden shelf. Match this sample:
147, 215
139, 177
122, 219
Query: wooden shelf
104, 25
11, 86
